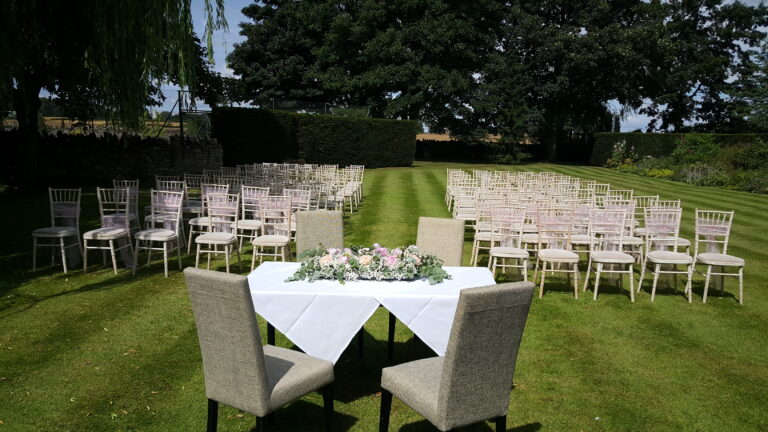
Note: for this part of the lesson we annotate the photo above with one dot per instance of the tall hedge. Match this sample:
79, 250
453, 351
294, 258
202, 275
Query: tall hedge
257, 135
250, 135
657, 144
352, 140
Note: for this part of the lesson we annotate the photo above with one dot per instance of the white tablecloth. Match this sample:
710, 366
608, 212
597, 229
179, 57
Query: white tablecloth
322, 317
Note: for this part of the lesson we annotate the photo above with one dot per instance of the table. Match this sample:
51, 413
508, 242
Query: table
322, 317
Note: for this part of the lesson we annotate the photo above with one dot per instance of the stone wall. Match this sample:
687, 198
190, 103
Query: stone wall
66, 159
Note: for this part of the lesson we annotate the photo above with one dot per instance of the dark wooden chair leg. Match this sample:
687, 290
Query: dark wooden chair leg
386, 407
270, 334
328, 405
360, 342
391, 340
501, 424
259, 425
213, 415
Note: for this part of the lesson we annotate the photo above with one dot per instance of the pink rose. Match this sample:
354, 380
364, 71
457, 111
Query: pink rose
390, 261
326, 260
365, 260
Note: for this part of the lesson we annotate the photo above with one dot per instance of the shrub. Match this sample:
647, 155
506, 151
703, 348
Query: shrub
695, 148
660, 173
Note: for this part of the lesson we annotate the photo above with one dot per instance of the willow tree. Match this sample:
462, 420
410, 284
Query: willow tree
114, 51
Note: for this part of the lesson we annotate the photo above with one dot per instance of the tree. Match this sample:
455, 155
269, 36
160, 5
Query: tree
751, 94
117, 50
407, 59
706, 52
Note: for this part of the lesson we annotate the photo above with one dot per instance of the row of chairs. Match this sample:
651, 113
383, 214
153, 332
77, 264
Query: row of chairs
225, 220
557, 218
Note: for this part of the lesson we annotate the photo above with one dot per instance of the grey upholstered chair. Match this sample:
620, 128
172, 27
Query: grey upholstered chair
442, 237
239, 371
319, 227
473, 381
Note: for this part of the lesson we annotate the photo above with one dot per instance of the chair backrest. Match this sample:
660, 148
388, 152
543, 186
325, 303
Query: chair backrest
662, 227
223, 211
133, 186
276, 215
555, 228
250, 197
713, 230
64, 205
482, 351
507, 226
319, 227
441, 237
230, 342
170, 185
166, 206
606, 229
114, 207
299, 198
165, 178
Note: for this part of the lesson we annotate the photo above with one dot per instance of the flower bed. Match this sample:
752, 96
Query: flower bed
374, 263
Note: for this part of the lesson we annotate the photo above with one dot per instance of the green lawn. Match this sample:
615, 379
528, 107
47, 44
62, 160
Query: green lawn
102, 352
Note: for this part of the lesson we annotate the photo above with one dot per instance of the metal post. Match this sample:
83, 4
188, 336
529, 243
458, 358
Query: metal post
181, 115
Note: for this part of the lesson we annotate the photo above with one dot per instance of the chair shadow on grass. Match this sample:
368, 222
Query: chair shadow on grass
426, 426
305, 416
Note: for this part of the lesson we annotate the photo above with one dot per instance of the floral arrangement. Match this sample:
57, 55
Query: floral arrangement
374, 263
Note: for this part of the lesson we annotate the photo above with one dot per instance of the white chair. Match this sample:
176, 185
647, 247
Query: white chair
223, 211
65, 225
662, 229
133, 187
713, 230
249, 224
607, 229
166, 207
506, 240
482, 238
554, 246
275, 229
200, 224
114, 234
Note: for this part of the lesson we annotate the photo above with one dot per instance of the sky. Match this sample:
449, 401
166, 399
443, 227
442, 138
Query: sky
223, 43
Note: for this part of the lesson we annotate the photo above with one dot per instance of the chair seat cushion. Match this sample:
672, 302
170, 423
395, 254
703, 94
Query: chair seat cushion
641, 232
271, 240
558, 255
199, 221
509, 252
107, 233
416, 383
530, 238
55, 232
530, 228
632, 241
216, 238
248, 224
669, 257
612, 257
292, 374
483, 236
719, 259
681, 242
197, 209
156, 234
581, 239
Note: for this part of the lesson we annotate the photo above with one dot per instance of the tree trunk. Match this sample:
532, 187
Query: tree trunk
26, 103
